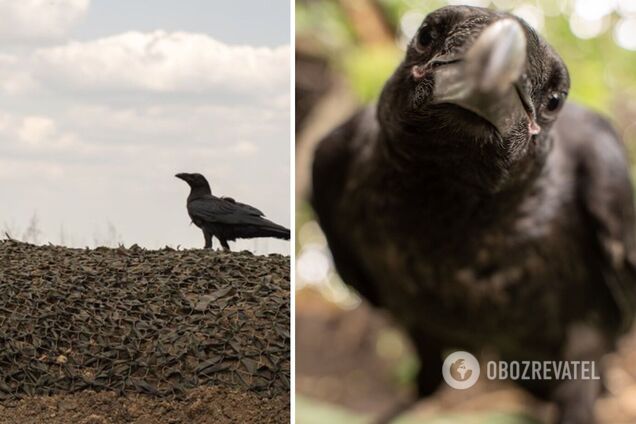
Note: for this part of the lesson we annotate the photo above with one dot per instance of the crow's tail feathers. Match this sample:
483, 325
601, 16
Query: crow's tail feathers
274, 230
260, 227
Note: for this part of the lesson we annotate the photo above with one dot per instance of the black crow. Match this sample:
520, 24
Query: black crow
224, 217
481, 209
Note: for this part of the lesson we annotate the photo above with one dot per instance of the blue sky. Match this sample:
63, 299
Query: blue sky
102, 102
254, 22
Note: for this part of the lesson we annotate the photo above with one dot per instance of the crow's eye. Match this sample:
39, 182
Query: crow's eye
555, 102
425, 36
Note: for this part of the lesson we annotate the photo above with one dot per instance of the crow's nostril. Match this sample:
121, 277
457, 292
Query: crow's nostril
418, 71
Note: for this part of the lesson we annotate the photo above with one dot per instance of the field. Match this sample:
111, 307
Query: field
140, 336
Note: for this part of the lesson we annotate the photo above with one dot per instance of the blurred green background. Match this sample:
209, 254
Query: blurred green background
597, 39
345, 51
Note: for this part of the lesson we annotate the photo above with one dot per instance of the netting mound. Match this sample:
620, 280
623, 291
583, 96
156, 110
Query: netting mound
133, 320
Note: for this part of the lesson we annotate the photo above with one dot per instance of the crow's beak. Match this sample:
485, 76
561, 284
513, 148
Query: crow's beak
182, 176
486, 79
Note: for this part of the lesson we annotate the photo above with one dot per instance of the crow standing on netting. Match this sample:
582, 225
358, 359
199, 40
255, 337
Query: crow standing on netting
224, 217
480, 214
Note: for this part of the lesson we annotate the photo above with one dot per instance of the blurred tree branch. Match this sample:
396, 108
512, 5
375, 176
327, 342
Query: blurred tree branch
368, 21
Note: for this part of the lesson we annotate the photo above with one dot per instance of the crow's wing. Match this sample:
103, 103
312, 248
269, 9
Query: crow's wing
331, 170
243, 205
606, 195
222, 211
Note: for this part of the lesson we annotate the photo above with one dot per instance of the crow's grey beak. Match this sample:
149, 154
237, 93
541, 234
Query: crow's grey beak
485, 80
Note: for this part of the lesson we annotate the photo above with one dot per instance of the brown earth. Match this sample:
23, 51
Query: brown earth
202, 406
345, 357
337, 357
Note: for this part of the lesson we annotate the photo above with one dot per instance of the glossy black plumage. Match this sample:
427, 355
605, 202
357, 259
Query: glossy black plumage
517, 236
225, 218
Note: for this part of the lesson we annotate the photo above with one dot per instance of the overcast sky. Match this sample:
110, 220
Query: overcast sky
103, 101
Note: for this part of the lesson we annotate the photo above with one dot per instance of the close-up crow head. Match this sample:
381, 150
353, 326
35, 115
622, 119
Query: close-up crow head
477, 91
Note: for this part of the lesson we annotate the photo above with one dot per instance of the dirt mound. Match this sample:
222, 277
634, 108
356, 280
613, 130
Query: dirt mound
133, 320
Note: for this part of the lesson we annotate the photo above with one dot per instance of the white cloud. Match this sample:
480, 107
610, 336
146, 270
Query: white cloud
244, 148
13, 169
14, 78
36, 129
165, 62
175, 124
35, 20
34, 132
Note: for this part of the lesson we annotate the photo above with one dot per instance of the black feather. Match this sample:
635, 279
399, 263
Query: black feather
224, 217
473, 240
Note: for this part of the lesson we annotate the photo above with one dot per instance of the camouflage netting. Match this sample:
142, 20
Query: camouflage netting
135, 320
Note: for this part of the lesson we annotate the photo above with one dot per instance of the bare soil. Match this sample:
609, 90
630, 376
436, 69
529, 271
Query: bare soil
201, 406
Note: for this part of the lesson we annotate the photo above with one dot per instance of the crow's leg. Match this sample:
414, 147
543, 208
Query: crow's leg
429, 377
226, 246
208, 240
576, 398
